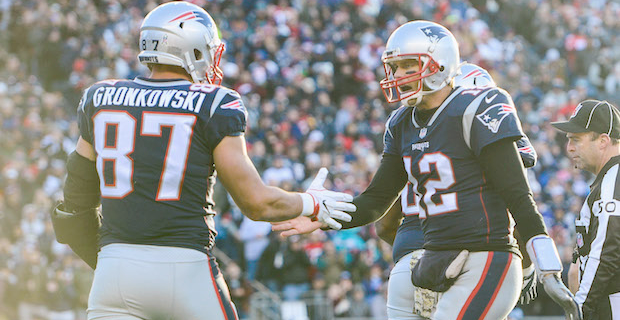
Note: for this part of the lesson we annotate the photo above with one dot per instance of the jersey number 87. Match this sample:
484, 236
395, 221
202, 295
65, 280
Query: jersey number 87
115, 154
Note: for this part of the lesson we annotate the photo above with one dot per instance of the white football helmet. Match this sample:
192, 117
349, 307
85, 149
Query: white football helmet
473, 76
182, 34
437, 53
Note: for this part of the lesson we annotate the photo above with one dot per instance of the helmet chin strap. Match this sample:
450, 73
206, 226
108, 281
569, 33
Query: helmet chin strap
414, 101
417, 98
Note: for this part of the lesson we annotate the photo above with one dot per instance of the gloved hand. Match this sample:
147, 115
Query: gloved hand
528, 290
545, 257
325, 206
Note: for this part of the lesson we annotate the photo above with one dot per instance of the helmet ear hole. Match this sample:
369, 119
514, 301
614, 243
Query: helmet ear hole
197, 54
181, 25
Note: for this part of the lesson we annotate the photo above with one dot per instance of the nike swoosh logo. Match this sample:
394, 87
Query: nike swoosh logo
489, 99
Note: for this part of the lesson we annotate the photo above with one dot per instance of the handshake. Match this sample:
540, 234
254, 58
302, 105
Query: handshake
324, 206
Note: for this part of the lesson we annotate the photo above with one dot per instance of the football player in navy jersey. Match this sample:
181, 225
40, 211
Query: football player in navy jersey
149, 150
400, 227
456, 146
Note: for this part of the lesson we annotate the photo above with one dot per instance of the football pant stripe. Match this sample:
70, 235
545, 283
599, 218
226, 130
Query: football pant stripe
225, 302
490, 282
499, 286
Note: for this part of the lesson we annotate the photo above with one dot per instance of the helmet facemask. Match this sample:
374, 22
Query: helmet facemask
397, 89
215, 75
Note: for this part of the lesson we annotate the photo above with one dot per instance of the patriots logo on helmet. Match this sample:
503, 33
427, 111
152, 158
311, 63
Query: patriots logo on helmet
493, 116
434, 33
193, 15
474, 73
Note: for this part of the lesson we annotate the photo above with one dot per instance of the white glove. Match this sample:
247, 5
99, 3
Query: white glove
324, 205
528, 290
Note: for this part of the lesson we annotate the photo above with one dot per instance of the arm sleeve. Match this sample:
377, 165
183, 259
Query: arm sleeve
604, 257
383, 190
81, 191
504, 170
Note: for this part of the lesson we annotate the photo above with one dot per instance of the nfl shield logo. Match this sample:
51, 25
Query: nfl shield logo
423, 133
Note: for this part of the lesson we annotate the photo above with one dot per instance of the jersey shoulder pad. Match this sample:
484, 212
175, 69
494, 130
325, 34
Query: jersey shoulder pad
495, 96
494, 107
226, 100
395, 119
397, 116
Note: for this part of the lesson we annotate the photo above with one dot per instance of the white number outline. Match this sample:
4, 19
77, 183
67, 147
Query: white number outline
445, 171
203, 87
409, 209
171, 169
118, 153
152, 123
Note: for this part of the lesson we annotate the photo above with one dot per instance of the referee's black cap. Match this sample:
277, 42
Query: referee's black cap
593, 116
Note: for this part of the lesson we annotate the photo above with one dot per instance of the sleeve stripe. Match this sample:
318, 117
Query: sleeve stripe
387, 126
468, 117
219, 95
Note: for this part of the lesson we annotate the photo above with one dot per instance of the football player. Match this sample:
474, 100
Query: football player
456, 146
400, 227
148, 150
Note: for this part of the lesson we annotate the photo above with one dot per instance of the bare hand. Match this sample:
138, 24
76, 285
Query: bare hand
299, 225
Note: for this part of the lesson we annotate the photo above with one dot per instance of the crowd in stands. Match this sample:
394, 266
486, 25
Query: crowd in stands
308, 72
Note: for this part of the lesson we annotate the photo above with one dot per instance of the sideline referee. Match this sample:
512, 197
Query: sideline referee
593, 133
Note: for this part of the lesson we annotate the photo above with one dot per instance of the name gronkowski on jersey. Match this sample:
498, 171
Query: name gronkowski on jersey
456, 206
154, 141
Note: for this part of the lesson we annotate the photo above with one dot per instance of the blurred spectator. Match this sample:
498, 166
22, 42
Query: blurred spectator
239, 288
254, 235
294, 269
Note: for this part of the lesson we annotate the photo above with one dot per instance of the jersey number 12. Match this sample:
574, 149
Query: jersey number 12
445, 179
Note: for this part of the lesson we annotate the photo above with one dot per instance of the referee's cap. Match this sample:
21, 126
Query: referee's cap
593, 116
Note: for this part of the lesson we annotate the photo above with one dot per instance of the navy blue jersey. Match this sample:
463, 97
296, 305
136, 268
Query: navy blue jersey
154, 141
457, 208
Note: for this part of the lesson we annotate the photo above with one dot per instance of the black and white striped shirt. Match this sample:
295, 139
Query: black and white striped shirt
598, 238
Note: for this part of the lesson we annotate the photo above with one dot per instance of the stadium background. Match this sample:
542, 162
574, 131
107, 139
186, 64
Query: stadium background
308, 72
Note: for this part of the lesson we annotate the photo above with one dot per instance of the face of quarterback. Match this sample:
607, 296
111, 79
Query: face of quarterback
403, 68
582, 149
